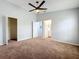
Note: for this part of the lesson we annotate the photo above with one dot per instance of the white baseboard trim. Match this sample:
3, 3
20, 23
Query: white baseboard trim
1, 44
67, 42
24, 39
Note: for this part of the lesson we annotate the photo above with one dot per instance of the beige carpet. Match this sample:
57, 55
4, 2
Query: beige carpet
39, 49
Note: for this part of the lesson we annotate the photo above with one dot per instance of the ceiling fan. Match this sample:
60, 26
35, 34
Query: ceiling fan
38, 8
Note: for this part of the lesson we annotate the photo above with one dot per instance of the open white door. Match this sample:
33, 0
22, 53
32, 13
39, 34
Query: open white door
5, 29
37, 29
47, 29
6, 35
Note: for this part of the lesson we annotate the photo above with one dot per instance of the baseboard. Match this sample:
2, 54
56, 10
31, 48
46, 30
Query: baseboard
1, 44
67, 42
24, 39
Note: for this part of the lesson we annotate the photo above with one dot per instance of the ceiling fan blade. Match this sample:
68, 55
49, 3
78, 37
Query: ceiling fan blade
32, 5
32, 10
41, 4
42, 8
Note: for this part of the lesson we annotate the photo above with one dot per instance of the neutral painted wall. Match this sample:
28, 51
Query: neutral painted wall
78, 20
1, 33
24, 19
64, 25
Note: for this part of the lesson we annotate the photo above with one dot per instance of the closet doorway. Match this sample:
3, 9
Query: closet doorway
12, 29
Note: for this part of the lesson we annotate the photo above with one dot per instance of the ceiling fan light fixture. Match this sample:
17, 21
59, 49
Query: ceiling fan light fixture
37, 11
40, 11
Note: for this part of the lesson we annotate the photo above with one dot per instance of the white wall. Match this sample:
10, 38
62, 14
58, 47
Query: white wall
64, 25
24, 20
78, 22
1, 34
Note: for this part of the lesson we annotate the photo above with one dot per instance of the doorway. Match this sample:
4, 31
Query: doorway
12, 29
37, 29
47, 29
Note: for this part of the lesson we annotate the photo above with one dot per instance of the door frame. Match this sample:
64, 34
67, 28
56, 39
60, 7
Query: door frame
6, 35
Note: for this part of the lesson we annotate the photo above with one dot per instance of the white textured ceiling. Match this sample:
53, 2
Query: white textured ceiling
52, 5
